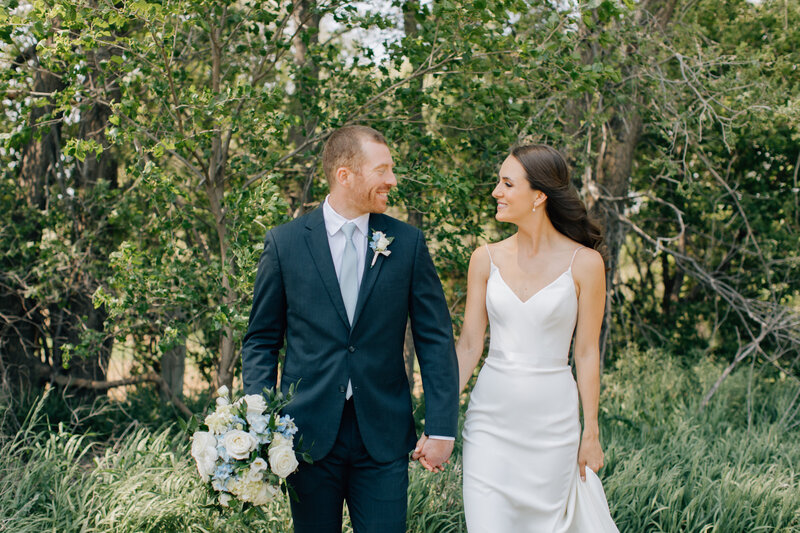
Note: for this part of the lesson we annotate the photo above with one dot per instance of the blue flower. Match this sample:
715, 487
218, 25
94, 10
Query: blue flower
237, 422
286, 426
379, 244
258, 423
222, 451
256, 437
219, 485
223, 471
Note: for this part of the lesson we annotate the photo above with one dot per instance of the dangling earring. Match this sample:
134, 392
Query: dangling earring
534, 208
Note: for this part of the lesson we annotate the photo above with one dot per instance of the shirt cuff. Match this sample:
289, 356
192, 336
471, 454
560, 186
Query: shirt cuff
440, 437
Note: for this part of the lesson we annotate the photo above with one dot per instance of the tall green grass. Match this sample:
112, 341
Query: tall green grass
669, 467
62, 482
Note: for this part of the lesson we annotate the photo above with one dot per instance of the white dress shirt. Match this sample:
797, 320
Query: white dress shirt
337, 241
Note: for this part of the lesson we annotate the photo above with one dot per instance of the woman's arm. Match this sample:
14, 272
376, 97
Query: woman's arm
589, 272
470, 343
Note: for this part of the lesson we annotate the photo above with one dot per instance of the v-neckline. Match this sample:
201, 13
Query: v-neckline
520, 300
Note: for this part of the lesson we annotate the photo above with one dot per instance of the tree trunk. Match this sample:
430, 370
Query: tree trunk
39, 159
19, 332
415, 219
227, 361
93, 127
21, 327
414, 216
173, 365
613, 178
621, 134
80, 314
215, 189
227, 354
305, 17
408, 355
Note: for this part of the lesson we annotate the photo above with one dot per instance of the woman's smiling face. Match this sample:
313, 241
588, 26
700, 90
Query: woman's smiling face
515, 198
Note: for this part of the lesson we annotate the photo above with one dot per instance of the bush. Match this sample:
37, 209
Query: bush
669, 467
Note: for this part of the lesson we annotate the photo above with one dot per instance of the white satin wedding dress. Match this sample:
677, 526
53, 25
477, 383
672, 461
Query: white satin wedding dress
522, 430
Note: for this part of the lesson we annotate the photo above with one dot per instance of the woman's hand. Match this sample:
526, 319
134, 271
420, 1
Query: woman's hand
590, 454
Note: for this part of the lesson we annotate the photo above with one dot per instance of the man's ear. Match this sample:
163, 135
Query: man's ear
343, 176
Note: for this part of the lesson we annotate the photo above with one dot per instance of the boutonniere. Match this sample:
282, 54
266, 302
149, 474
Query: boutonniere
379, 244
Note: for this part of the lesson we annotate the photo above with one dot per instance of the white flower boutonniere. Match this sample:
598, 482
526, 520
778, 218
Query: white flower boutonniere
379, 244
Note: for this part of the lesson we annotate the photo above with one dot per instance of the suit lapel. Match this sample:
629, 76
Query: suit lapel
376, 223
317, 241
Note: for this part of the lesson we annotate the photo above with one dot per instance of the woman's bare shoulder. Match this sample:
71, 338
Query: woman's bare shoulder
588, 262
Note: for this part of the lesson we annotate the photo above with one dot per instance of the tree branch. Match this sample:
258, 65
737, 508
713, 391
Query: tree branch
69, 381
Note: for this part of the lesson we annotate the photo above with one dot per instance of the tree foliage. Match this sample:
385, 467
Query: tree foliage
150, 145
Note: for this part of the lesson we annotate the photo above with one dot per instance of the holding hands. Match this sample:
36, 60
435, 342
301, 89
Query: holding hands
433, 453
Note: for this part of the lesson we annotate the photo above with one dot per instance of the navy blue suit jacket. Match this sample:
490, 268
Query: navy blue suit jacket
297, 299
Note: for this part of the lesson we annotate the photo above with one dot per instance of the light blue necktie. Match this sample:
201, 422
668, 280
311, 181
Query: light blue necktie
348, 273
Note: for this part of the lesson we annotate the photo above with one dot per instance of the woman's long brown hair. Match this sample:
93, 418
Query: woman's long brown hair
547, 171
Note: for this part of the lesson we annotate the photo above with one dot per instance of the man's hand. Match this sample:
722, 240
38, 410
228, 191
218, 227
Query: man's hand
433, 453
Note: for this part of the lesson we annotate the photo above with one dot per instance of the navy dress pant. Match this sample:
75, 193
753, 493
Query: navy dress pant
375, 492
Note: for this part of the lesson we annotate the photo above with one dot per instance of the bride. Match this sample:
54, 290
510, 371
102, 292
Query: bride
527, 466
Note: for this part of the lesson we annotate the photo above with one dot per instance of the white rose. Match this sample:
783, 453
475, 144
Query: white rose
222, 391
254, 475
204, 451
259, 465
281, 457
218, 421
256, 404
255, 492
383, 242
222, 401
238, 487
239, 443
226, 409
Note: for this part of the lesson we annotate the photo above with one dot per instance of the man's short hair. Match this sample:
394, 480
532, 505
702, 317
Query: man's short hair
343, 149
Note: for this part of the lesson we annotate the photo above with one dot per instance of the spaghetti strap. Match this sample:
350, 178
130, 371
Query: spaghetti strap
573, 256
490, 255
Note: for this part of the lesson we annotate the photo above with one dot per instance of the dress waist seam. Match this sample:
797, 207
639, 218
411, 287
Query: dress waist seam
525, 360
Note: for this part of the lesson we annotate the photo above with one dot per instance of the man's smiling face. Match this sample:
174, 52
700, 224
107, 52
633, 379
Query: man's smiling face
374, 178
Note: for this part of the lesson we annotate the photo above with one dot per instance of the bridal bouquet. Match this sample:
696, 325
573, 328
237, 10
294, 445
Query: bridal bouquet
245, 448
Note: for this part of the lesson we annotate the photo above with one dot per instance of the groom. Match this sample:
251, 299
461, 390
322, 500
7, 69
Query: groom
341, 297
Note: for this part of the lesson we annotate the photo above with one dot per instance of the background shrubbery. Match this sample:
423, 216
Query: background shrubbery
668, 466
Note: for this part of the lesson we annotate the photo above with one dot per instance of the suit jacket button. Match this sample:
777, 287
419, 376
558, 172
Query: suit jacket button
342, 388
351, 349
